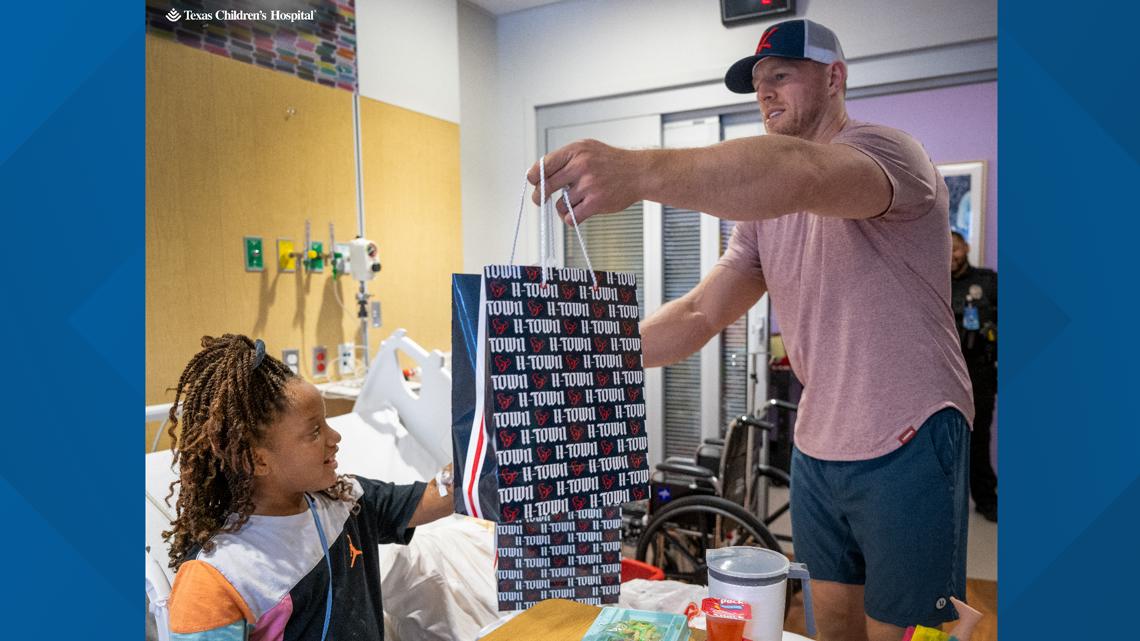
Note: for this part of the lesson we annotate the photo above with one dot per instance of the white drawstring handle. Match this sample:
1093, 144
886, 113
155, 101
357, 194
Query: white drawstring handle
518, 221
577, 232
545, 225
543, 218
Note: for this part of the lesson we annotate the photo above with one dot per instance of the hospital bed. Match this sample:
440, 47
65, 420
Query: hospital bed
439, 587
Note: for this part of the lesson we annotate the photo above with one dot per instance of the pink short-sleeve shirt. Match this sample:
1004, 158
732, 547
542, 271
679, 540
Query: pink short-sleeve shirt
864, 306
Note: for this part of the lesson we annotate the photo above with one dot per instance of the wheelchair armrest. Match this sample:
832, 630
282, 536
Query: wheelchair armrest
784, 405
774, 473
688, 468
752, 421
714, 441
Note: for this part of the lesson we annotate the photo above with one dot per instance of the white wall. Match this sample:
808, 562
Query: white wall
478, 87
408, 54
581, 49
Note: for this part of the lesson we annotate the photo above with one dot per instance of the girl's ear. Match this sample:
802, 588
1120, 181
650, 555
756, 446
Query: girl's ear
261, 459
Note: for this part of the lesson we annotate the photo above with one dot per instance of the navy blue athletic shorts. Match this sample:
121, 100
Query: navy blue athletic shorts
896, 524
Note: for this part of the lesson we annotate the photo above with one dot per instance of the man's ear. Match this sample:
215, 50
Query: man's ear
837, 77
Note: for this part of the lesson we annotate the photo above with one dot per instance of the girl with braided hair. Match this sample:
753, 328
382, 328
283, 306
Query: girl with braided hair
269, 541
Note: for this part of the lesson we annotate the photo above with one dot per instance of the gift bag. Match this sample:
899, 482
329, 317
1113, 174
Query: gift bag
574, 556
547, 396
548, 420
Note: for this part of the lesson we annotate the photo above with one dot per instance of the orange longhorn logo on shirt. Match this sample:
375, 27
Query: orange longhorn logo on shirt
352, 549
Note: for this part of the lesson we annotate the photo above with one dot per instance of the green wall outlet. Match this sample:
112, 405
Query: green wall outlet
315, 260
254, 259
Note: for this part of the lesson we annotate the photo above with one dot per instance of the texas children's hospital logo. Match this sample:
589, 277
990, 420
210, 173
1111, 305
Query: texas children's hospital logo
174, 15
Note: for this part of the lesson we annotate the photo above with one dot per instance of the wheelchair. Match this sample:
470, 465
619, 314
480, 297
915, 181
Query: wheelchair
708, 502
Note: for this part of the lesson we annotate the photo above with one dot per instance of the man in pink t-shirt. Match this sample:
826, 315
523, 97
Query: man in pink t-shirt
844, 223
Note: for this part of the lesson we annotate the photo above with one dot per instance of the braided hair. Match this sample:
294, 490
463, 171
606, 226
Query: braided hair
230, 394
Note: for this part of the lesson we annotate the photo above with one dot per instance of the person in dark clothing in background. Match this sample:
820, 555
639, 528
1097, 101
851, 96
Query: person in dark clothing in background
974, 299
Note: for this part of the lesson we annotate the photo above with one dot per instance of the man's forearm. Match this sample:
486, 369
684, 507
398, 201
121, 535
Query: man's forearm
672, 333
686, 324
763, 177
746, 179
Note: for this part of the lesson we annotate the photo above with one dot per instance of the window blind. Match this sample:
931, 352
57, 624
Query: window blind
615, 243
733, 356
681, 249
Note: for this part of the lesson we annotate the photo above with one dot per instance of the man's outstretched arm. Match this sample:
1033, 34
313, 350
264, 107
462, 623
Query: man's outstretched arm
744, 179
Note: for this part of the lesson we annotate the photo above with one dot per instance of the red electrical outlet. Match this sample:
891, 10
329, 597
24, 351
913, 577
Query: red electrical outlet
320, 361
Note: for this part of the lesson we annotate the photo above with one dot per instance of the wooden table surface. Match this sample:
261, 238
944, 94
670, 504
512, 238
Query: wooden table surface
560, 620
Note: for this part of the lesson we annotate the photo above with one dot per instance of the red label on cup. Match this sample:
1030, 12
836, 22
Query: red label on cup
725, 619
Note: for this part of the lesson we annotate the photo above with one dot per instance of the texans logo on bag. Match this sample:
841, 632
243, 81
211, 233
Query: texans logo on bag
506, 438
502, 363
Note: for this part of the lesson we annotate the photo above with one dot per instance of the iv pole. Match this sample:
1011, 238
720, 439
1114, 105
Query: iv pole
361, 296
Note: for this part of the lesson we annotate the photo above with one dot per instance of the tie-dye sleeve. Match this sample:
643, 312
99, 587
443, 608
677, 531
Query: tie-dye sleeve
204, 606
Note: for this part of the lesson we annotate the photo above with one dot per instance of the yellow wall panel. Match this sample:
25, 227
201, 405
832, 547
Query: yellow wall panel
236, 150
412, 210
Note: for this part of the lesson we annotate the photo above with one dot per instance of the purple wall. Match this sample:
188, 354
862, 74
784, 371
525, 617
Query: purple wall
955, 124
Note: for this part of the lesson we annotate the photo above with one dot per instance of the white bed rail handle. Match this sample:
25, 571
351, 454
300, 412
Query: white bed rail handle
426, 415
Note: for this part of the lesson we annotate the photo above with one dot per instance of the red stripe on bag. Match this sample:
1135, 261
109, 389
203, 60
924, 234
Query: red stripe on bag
472, 478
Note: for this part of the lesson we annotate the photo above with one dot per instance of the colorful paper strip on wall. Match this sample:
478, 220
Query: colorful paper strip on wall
312, 39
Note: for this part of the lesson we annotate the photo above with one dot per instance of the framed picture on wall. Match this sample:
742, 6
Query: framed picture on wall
966, 182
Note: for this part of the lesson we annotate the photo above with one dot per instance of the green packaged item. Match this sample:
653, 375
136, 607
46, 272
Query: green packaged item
620, 624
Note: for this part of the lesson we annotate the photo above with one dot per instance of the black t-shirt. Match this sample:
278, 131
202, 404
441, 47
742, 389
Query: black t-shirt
980, 285
271, 577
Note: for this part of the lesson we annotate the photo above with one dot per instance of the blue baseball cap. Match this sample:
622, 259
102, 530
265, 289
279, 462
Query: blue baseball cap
797, 39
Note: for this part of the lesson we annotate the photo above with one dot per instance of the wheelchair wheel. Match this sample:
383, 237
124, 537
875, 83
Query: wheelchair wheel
676, 538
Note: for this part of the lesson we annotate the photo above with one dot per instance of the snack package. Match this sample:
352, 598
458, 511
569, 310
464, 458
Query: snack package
620, 624
725, 618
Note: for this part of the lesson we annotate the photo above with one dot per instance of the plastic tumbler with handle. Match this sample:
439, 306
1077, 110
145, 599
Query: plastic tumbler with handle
758, 577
